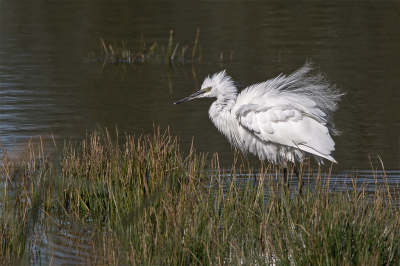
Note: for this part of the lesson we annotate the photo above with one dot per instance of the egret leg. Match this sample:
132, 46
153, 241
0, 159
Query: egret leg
285, 173
301, 182
296, 171
285, 176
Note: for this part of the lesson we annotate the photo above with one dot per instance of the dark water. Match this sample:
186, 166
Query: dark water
49, 86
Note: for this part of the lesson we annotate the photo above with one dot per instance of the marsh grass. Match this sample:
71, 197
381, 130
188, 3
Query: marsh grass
144, 202
121, 53
119, 56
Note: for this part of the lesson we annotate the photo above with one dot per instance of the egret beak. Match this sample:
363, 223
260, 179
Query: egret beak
191, 97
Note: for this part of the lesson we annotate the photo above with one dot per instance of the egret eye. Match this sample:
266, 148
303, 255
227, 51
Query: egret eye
208, 89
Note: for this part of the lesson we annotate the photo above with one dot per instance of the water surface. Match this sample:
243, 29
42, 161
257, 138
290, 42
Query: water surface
49, 87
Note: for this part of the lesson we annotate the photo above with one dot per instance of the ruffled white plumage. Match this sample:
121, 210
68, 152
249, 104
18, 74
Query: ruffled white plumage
283, 119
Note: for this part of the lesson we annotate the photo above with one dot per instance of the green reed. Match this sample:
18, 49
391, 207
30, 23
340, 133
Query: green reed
144, 202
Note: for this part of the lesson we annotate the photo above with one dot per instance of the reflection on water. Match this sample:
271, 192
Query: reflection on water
370, 180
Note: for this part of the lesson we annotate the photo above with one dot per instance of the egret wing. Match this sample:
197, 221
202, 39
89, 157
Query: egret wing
284, 125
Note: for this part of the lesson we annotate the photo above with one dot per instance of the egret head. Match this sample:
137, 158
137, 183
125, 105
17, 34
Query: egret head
212, 87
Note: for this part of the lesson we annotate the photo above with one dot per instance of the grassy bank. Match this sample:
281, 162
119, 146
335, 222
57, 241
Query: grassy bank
144, 202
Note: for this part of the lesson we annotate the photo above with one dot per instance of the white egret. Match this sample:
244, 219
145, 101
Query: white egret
285, 119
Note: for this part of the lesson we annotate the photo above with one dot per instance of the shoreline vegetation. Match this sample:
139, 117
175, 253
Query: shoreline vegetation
144, 202
121, 54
